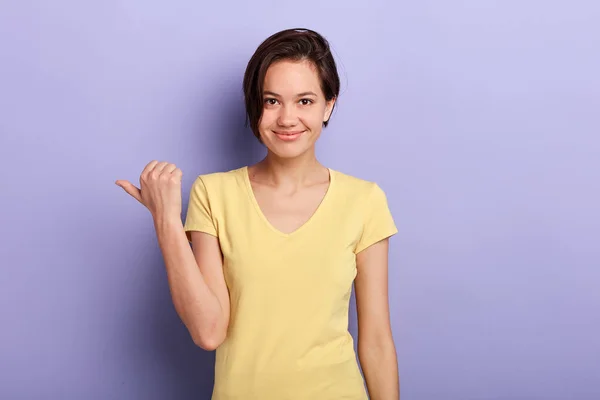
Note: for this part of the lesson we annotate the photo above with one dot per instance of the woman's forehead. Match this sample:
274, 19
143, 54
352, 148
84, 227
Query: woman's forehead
286, 78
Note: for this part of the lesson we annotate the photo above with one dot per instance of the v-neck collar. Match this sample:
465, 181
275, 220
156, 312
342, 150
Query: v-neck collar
322, 204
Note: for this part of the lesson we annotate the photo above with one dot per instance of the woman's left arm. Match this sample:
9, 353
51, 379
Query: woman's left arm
376, 350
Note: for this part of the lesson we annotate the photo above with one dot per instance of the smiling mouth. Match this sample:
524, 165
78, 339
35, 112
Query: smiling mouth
284, 133
288, 136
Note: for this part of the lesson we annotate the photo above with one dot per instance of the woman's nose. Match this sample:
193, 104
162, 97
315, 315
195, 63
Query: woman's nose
287, 116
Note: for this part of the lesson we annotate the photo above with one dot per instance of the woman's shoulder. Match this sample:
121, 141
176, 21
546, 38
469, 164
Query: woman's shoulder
364, 193
220, 182
354, 185
221, 177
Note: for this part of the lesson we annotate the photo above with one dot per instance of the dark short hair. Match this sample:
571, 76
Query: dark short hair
294, 45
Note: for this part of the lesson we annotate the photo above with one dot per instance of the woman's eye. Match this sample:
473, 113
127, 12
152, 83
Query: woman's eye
272, 102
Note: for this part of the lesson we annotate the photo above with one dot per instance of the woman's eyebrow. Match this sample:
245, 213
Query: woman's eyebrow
298, 95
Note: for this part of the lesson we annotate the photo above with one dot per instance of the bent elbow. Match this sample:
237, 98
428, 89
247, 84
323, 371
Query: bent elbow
207, 345
208, 342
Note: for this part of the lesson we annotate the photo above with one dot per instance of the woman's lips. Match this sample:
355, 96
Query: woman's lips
288, 136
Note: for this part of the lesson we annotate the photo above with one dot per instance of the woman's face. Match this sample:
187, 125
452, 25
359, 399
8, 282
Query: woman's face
294, 108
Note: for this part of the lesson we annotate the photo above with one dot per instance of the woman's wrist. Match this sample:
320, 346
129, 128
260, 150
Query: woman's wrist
167, 221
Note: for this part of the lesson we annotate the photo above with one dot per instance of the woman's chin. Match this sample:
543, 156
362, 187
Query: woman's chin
289, 150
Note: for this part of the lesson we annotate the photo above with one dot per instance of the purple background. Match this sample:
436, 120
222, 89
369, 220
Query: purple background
480, 119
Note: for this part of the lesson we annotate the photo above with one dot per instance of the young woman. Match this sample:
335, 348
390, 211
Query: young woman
277, 245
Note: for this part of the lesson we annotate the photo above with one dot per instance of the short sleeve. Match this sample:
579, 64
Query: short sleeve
378, 221
199, 216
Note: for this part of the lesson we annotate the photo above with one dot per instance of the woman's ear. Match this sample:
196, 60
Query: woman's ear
329, 109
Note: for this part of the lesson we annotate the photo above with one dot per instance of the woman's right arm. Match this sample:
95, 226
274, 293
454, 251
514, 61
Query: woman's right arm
196, 282
195, 276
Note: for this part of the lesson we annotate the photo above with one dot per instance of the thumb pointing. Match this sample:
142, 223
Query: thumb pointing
130, 189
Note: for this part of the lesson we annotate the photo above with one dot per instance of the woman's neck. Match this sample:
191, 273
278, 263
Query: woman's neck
290, 173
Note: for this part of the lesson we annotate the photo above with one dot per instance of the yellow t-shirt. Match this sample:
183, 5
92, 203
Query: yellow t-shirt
288, 333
